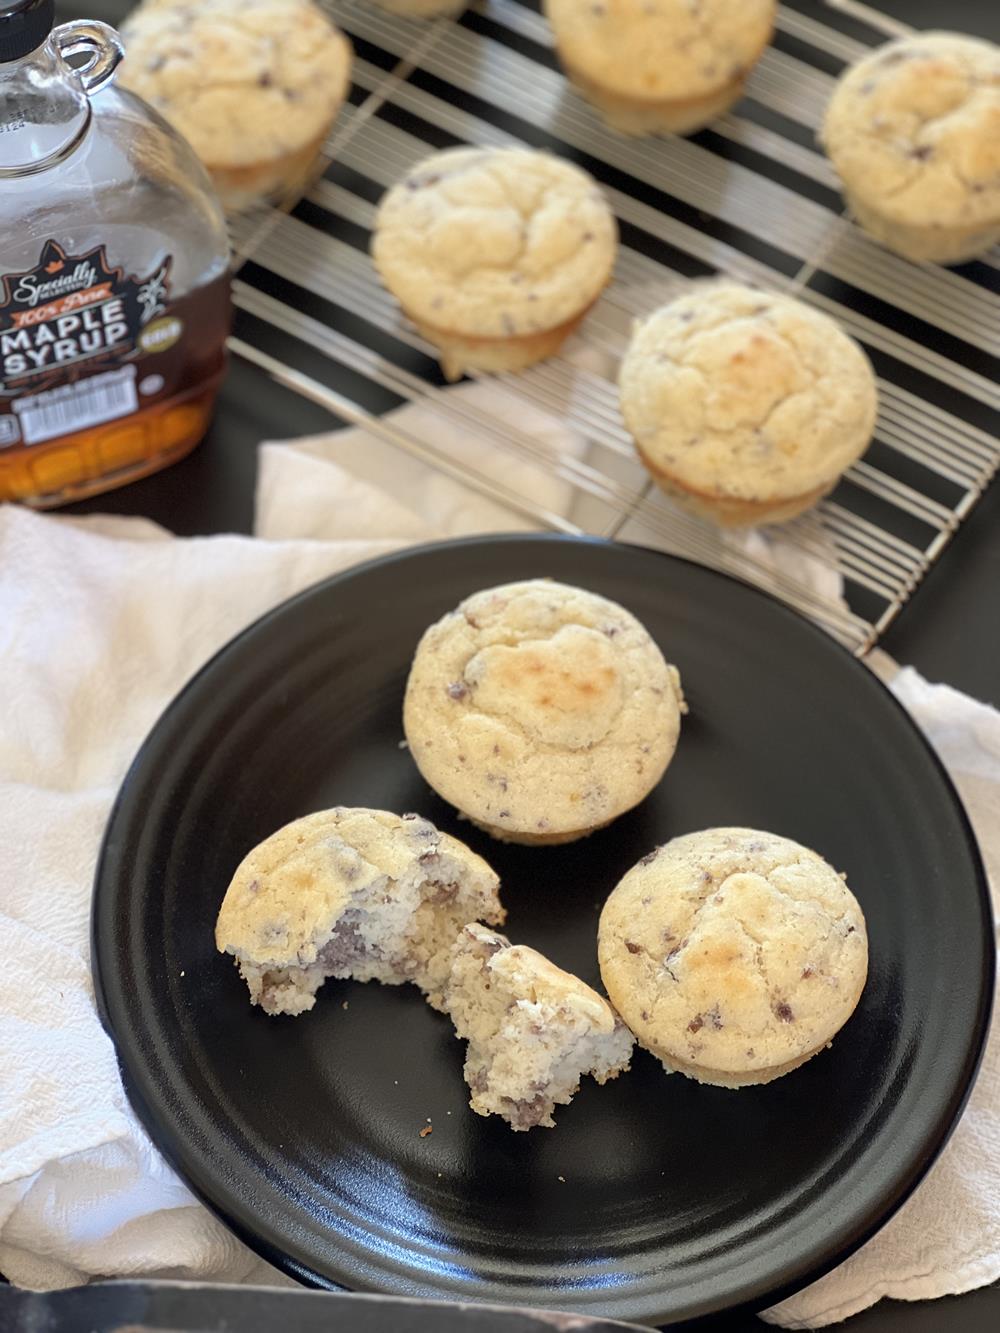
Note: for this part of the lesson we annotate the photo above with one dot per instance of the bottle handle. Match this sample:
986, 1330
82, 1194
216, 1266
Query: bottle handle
100, 43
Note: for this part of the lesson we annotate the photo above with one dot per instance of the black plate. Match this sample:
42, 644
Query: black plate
654, 1198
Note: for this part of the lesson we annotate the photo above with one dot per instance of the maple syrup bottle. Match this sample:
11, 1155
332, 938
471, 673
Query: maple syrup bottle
114, 270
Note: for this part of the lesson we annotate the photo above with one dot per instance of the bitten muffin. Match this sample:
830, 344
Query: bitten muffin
253, 85
423, 9
542, 712
746, 406
533, 1030
661, 66
733, 955
914, 132
496, 254
351, 893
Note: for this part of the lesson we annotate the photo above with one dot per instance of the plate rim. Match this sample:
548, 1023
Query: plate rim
112, 1001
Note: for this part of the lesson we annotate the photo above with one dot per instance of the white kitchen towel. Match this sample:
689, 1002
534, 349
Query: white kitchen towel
97, 632
101, 621
525, 454
946, 1237
350, 482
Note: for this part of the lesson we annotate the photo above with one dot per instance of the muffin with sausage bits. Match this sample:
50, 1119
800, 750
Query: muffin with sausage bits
746, 406
541, 711
533, 1030
495, 254
253, 85
661, 66
352, 893
733, 955
914, 132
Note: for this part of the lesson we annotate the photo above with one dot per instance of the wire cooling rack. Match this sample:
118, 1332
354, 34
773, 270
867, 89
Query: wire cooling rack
750, 197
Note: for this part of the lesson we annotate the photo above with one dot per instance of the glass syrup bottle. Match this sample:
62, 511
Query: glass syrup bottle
114, 270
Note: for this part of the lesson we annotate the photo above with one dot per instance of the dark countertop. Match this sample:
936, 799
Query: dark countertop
950, 630
172, 1308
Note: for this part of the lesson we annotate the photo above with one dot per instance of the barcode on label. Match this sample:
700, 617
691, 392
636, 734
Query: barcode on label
73, 407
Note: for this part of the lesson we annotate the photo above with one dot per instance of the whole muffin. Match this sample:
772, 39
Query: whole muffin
542, 712
253, 85
422, 9
914, 133
661, 66
733, 955
746, 406
496, 254
351, 893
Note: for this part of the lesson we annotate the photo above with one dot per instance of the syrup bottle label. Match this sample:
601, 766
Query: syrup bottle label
82, 344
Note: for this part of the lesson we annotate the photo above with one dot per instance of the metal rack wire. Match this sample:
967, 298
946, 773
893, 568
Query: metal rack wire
751, 198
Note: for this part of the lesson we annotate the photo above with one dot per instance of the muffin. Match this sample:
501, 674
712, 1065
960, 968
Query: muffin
496, 254
533, 1030
661, 67
733, 955
423, 9
745, 406
914, 132
253, 85
351, 893
542, 712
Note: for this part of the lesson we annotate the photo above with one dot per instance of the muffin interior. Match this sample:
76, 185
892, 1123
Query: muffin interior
533, 1031
392, 929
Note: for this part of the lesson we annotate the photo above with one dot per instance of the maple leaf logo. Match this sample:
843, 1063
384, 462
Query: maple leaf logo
53, 258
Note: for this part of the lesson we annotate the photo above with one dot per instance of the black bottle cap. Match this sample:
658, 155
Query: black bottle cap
24, 25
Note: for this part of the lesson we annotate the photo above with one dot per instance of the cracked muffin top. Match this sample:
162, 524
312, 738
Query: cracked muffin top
655, 49
746, 394
732, 954
541, 709
244, 81
914, 130
495, 242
